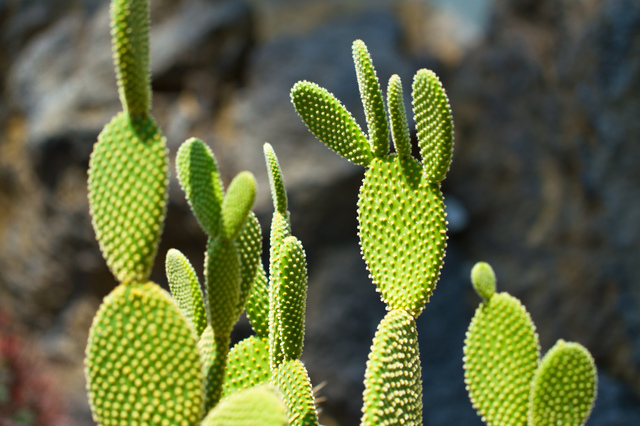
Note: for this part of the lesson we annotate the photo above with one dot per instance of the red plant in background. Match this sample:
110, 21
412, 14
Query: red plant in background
26, 394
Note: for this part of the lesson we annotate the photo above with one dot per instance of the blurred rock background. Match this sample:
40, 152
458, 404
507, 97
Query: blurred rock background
544, 183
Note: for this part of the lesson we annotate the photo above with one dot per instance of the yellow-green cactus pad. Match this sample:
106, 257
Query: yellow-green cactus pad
258, 304
399, 127
185, 288
130, 40
213, 352
393, 379
247, 365
276, 181
371, 99
564, 386
128, 178
402, 231
330, 122
249, 245
237, 204
484, 280
292, 380
433, 123
222, 285
142, 361
200, 180
259, 406
290, 294
501, 354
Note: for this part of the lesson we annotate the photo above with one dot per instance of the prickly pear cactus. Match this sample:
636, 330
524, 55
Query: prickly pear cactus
502, 358
401, 215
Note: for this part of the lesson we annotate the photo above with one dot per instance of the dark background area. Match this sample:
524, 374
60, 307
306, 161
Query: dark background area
544, 184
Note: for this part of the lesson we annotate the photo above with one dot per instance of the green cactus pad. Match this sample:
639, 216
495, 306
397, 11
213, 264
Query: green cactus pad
247, 365
258, 304
237, 204
185, 288
371, 99
130, 42
276, 181
213, 352
433, 124
142, 362
564, 386
501, 354
484, 280
249, 245
330, 122
290, 294
393, 379
222, 277
292, 380
399, 127
259, 406
200, 180
402, 232
128, 178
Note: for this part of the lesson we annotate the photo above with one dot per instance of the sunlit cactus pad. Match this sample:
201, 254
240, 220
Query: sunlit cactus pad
142, 361
402, 231
393, 380
501, 355
258, 406
292, 380
564, 386
185, 288
128, 178
247, 365
249, 245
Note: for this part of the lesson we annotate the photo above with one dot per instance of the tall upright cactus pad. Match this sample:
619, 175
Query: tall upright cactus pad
185, 288
130, 39
564, 387
257, 406
142, 361
213, 352
433, 123
128, 179
292, 380
393, 380
398, 117
257, 307
249, 245
223, 285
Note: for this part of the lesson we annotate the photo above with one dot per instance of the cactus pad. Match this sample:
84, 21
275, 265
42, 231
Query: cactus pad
501, 354
402, 232
564, 386
223, 277
276, 181
130, 40
258, 304
213, 353
397, 114
249, 245
237, 204
247, 365
128, 178
393, 380
142, 361
292, 380
259, 406
484, 280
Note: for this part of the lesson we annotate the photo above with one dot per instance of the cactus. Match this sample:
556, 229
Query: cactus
401, 217
159, 358
507, 382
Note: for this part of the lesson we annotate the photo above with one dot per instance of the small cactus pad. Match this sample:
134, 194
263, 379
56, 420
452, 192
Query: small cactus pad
292, 380
371, 99
249, 244
501, 354
564, 386
399, 127
290, 292
402, 232
434, 124
142, 361
393, 379
185, 288
247, 365
330, 122
259, 406
258, 304
130, 40
237, 204
484, 280
213, 353
276, 181
222, 276
128, 178
200, 180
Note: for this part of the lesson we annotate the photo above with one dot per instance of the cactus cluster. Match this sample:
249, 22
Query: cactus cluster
155, 358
